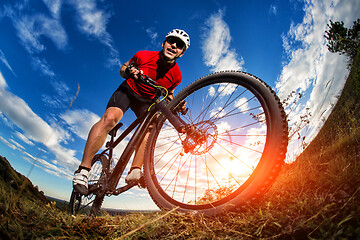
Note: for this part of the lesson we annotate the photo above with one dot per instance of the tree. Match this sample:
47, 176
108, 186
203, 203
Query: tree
342, 40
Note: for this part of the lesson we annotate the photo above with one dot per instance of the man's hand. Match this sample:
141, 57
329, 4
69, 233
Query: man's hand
182, 107
127, 70
133, 72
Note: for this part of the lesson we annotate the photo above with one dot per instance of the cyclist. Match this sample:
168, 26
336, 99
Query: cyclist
158, 65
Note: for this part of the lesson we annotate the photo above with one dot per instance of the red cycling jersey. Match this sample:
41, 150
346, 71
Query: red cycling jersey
166, 76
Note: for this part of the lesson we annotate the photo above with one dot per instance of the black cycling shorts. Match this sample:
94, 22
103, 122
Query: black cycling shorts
124, 97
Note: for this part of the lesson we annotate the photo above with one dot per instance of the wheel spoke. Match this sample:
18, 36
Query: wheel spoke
241, 145
78, 201
225, 140
173, 143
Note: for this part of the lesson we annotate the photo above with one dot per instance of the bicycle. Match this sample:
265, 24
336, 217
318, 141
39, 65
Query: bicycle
221, 154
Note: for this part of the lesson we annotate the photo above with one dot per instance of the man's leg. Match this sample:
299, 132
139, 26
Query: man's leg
96, 139
140, 153
135, 171
98, 134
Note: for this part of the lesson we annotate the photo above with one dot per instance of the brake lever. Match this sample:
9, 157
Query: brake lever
184, 112
142, 77
139, 75
180, 109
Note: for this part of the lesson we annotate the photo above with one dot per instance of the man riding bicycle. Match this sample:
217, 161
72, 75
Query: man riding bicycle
160, 66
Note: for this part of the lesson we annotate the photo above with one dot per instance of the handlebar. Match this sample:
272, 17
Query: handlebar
142, 77
150, 82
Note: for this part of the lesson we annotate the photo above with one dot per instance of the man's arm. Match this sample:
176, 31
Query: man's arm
133, 71
122, 70
171, 94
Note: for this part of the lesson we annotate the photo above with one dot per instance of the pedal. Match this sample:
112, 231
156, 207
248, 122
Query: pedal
142, 183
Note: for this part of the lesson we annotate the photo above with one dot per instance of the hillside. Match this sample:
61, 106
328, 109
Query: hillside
315, 197
12, 181
319, 193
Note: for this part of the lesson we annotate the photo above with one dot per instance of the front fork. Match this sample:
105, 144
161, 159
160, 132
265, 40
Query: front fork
177, 122
194, 137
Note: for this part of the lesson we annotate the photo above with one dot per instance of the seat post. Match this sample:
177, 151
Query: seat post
112, 133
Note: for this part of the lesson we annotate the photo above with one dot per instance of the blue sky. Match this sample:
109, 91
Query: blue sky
50, 49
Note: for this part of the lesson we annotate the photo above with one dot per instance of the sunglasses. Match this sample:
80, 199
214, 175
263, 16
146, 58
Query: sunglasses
179, 44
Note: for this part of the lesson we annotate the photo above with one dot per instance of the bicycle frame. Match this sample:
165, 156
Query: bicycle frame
221, 156
143, 124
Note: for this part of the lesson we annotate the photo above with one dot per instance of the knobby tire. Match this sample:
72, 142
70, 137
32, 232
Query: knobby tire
237, 155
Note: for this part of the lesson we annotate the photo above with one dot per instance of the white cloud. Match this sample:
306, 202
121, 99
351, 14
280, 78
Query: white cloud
3, 83
29, 38
48, 167
211, 91
216, 49
34, 127
310, 65
153, 35
4, 60
24, 138
33, 30
43, 66
33, 27
38, 162
92, 22
242, 104
10, 145
30, 29
5, 120
24, 117
62, 97
273, 9
54, 7
80, 121
17, 144
60, 87
218, 112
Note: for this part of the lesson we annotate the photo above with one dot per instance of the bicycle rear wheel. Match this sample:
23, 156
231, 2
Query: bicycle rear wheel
79, 202
233, 150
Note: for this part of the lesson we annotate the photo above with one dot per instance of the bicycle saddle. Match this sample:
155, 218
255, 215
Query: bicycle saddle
114, 130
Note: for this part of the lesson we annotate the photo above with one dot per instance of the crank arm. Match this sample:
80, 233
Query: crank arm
123, 189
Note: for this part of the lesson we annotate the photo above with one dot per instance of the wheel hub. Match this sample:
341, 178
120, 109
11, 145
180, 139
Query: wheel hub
200, 138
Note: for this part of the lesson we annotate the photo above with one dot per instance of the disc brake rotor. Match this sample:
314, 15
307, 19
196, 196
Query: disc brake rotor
200, 138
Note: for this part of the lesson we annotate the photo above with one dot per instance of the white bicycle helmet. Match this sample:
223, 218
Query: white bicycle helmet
180, 34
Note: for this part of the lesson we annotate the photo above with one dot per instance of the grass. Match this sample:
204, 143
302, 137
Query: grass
315, 197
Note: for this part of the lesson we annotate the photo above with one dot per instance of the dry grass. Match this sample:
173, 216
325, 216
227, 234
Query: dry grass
316, 197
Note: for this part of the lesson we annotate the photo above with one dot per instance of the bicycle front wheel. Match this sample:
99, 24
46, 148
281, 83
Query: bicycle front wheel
234, 147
